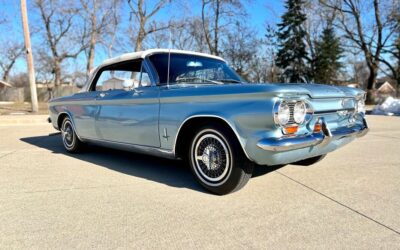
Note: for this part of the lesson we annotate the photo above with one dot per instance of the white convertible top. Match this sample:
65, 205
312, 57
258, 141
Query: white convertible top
143, 54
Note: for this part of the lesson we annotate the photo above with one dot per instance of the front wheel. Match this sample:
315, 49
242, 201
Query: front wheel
217, 160
70, 140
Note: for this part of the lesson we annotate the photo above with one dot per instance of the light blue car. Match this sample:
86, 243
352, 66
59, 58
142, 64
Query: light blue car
193, 106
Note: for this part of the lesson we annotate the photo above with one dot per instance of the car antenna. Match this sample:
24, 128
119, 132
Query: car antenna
169, 56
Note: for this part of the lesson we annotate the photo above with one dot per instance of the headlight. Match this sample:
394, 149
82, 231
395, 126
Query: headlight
361, 106
299, 112
283, 115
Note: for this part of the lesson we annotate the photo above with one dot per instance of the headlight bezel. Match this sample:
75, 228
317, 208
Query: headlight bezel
299, 112
293, 102
283, 110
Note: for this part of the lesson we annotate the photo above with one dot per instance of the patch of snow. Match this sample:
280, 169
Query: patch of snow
391, 106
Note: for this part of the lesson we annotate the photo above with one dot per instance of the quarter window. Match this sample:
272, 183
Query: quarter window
122, 76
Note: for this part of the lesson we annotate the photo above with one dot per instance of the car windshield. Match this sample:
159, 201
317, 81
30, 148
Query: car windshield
193, 69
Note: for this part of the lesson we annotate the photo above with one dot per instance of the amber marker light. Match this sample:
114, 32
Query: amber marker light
291, 129
317, 127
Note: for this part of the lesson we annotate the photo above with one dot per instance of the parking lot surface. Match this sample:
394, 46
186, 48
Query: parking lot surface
110, 199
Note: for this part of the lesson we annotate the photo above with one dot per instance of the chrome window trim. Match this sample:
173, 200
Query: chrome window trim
99, 69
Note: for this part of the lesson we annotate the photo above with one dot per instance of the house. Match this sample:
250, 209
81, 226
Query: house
4, 84
385, 88
119, 83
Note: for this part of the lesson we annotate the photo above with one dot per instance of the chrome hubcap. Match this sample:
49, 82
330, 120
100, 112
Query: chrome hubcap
211, 158
67, 134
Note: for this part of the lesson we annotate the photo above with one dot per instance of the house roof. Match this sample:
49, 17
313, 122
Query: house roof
380, 81
6, 84
386, 87
143, 54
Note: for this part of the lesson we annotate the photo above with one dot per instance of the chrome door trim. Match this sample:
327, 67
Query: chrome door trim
133, 147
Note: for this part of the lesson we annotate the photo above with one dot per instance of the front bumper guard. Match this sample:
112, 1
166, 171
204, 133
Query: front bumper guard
319, 139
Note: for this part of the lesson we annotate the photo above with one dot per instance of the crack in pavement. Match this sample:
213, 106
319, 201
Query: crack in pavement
385, 136
339, 203
9, 153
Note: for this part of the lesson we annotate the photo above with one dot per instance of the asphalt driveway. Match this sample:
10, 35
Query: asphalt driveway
110, 199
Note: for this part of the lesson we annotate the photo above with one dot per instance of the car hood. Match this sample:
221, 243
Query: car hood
322, 90
275, 89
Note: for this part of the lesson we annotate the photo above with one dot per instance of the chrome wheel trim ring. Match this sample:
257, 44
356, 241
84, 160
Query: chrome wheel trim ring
68, 135
199, 162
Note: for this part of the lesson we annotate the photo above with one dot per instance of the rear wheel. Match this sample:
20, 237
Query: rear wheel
310, 161
217, 160
69, 138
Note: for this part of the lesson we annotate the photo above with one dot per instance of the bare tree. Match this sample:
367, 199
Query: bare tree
64, 39
11, 47
393, 50
144, 17
194, 26
109, 38
216, 15
10, 53
97, 15
371, 38
240, 49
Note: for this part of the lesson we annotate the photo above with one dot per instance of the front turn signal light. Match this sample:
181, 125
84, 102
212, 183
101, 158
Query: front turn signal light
317, 127
291, 129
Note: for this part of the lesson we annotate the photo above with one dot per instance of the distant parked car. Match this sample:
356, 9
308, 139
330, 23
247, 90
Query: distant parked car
193, 106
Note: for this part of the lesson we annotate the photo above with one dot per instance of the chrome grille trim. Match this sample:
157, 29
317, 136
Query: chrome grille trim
291, 109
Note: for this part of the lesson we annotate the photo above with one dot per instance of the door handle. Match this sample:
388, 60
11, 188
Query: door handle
101, 95
137, 92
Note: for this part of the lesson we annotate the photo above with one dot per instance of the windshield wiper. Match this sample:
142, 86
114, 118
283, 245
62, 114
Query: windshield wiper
189, 79
229, 80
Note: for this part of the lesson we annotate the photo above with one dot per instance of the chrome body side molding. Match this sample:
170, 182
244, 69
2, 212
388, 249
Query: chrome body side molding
132, 148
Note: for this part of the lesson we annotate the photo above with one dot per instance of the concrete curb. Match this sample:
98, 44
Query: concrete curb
23, 119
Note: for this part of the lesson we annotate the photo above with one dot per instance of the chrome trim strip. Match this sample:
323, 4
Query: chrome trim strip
212, 116
133, 147
332, 111
315, 139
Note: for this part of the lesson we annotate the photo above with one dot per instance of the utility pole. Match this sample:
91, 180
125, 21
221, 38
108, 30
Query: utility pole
29, 58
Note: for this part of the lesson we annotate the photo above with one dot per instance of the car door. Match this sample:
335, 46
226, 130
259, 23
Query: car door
128, 111
84, 111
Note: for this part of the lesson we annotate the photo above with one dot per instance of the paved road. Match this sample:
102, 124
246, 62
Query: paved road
110, 199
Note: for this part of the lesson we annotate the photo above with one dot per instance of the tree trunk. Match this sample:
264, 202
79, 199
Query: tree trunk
57, 73
89, 65
141, 35
93, 39
216, 28
373, 72
138, 45
6, 74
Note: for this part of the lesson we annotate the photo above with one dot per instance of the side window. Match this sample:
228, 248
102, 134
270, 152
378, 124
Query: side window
121, 76
144, 78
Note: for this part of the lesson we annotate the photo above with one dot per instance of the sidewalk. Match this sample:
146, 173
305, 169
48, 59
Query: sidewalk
23, 119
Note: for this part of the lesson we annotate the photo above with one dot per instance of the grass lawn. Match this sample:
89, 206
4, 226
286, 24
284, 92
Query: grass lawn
22, 108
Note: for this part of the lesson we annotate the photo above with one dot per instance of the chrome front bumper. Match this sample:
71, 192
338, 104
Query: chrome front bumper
315, 139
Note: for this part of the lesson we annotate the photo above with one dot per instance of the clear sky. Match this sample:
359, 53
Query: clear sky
259, 13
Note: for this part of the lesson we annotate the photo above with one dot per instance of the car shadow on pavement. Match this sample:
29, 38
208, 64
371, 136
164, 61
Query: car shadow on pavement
173, 173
